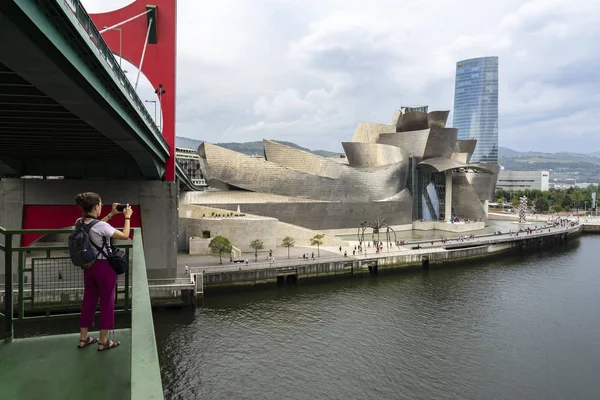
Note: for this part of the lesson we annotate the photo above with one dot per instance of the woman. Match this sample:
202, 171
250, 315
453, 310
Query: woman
100, 280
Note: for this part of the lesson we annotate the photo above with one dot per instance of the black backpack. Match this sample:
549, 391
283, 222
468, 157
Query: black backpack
80, 245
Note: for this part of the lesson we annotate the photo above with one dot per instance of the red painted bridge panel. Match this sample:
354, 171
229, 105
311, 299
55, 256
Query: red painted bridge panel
160, 58
59, 216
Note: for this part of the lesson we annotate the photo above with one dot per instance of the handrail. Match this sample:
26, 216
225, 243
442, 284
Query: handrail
105, 53
145, 369
10, 250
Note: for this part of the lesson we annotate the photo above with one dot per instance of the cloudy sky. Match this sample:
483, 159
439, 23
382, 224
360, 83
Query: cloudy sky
309, 71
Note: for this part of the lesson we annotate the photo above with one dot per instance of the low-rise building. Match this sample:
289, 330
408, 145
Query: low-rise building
190, 162
523, 180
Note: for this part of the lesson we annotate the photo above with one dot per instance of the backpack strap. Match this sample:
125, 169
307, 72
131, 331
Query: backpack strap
87, 227
101, 249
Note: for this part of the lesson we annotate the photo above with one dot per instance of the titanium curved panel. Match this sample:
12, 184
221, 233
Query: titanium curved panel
241, 171
441, 164
397, 120
302, 161
465, 201
441, 142
368, 132
466, 146
484, 185
414, 121
460, 157
437, 119
371, 155
413, 143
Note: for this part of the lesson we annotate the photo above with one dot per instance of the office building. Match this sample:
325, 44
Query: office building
476, 106
523, 180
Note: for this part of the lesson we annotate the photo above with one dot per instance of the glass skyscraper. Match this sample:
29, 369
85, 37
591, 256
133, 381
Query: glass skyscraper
476, 106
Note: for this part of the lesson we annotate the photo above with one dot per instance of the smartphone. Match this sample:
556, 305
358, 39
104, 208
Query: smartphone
121, 207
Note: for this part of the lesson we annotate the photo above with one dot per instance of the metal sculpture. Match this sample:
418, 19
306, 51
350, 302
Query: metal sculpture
522, 209
376, 226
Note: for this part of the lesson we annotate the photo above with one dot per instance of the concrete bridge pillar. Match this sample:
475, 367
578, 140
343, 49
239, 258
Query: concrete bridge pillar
155, 200
11, 212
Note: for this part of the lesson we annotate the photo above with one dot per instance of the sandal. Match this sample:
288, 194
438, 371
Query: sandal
109, 344
88, 341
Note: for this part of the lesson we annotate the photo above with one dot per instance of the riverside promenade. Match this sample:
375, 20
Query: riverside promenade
411, 254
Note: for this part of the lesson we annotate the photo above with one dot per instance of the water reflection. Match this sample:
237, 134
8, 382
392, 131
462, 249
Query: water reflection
521, 327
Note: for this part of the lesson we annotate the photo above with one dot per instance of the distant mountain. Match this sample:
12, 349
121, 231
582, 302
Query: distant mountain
540, 157
249, 148
187, 143
506, 152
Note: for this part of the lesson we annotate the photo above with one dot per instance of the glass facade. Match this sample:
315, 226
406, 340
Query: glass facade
429, 192
476, 106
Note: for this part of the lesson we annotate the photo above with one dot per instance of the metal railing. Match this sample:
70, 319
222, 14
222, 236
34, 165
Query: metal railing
421, 246
145, 368
46, 285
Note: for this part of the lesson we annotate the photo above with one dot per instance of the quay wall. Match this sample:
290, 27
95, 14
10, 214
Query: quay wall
184, 291
299, 272
591, 228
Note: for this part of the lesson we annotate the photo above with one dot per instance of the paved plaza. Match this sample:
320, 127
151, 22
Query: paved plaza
331, 253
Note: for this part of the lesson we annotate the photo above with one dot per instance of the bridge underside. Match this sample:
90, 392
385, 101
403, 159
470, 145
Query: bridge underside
61, 112
38, 136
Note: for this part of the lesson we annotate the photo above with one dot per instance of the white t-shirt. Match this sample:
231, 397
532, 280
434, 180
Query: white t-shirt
98, 231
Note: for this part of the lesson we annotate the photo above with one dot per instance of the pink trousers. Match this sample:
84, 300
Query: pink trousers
99, 283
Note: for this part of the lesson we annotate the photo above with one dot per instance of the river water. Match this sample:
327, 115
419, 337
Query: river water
521, 327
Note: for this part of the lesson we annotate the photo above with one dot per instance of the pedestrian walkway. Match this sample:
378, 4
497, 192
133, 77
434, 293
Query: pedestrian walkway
51, 367
333, 254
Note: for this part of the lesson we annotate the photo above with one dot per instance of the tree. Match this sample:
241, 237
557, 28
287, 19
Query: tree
567, 202
220, 245
317, 240
541, 205
578, 199
515, 202
288, 242
257, 245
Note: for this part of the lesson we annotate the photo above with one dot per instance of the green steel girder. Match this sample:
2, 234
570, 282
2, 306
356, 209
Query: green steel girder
68, 43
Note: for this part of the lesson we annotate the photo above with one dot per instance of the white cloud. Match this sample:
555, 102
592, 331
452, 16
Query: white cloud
310, 71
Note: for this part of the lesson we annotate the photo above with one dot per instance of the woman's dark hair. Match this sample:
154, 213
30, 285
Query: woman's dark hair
87, 201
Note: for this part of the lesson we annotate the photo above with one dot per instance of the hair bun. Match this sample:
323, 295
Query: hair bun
87, 200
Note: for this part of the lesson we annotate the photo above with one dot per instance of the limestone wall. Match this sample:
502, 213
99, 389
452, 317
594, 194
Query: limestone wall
302, 235
194, 219
240, 231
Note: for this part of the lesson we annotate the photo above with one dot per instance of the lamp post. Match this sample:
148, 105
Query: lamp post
120, 44
159, 92
152, 101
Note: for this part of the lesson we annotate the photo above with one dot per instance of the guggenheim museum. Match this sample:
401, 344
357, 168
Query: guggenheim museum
414, 169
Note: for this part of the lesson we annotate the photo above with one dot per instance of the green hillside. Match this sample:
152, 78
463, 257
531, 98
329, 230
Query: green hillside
249, 148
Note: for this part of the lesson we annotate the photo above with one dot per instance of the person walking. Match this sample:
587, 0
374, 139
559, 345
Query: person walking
99, 280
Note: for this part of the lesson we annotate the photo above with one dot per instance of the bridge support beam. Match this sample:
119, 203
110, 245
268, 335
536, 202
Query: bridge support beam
157, 202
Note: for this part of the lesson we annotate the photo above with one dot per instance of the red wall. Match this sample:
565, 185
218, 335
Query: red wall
57, 217
159, 60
